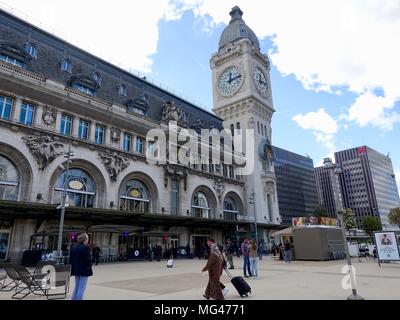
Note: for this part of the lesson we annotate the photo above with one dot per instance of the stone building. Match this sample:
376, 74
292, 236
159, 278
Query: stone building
55, 96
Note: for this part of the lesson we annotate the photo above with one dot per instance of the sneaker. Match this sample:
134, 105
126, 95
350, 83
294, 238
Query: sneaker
225, 291
208, 298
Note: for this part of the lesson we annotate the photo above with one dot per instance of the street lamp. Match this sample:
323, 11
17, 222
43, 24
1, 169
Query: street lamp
252, 200
338, 171
63, 205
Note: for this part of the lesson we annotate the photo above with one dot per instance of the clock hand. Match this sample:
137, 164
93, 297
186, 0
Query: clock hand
230, 78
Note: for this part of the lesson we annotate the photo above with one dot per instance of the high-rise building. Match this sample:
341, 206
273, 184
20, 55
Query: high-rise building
296, 186
328, 188
368, 183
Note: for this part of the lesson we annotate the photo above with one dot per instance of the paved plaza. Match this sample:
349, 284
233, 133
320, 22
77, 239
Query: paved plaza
298, 280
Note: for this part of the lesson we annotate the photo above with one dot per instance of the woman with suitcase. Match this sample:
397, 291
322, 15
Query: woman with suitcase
214, 268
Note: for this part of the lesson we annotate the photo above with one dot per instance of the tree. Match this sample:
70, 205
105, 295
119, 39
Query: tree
349, 219
394, 216
372, 224
320, 212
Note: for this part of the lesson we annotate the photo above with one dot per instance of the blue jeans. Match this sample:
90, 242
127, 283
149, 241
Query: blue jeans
246, 265
287, 256
254, 271
80, 287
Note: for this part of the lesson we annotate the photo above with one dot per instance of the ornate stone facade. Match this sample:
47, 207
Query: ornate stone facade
44, 148
114, 163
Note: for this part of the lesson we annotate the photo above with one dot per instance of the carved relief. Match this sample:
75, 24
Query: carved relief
177, 173
171, 112
49, 115
219, 187
115, 135
44, 148
114, 163
270, 188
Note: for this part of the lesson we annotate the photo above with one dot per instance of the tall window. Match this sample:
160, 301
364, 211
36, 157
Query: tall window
5, 107
238, 125
66, 65
9, 180
66, 125
231, 210
262, 129
32, 50
139, 145
225, 170
99, 134
231, 172
258, 127
135, 197
97, 77
200, 206
269, 201
11, 60
174, 197
27, 114
127, 142
80, 187
232, 130
83, 131
122, 90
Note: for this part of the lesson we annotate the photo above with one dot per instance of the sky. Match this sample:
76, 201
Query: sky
335, 64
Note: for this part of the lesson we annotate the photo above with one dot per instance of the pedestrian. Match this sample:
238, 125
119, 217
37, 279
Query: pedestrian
188, 251
229, 252
95, 254
253, 256
260, 250
214, 268
158, 252
150, 252
81, 266
280, 251
246, 260
287, 252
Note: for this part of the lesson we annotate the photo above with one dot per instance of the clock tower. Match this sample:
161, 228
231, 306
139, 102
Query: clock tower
243, 99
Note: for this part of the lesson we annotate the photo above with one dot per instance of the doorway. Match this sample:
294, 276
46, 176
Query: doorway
199, 245
4, 240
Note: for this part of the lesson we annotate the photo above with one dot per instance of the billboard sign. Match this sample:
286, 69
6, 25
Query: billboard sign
386, 246
314, 221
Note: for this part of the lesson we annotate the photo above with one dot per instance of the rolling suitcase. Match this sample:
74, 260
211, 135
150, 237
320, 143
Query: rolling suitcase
240, 285
170, 262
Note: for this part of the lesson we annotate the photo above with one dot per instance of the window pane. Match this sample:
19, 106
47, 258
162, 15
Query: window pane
27, 114
5, 107
66, 125
99, 135
139, 145
127, 142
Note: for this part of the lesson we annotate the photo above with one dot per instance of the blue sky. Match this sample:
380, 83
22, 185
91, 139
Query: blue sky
335, 72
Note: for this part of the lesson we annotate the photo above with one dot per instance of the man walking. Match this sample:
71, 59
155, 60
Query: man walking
229, 252
246, 260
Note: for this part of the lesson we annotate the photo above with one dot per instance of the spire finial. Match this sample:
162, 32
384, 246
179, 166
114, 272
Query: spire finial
236, 14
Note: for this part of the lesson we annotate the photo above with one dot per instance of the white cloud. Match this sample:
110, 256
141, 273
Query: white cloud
328, 45
122, 32
323, 126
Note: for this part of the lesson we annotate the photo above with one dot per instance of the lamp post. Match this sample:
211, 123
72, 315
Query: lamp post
338, 171
252, 200
63, 205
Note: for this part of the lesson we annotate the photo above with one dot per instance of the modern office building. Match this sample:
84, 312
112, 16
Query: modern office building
328, 188
368, 183
295, 181
54, 95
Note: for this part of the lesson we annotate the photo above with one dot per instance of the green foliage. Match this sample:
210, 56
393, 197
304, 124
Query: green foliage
394, 216
349, 219
372, 224
320, 212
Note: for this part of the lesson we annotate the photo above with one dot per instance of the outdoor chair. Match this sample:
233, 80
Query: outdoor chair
31, 285
12, 275
43, 269
60, 288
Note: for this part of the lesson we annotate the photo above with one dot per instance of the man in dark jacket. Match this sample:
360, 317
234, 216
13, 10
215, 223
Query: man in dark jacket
96, 255
81, 266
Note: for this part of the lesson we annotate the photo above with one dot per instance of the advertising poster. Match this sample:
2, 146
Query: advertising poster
314, 221
387, 247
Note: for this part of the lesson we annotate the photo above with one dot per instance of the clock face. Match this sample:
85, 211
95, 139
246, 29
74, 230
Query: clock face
261, 81
230, 81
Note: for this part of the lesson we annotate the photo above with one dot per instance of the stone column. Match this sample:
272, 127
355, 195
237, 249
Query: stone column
16, 112
20, 238
58, 121
38, 116
75, 127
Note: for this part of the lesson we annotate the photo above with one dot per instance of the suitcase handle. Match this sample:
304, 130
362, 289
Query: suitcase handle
228, 273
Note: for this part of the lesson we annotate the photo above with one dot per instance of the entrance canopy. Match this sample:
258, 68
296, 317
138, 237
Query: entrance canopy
114, 229
284, 232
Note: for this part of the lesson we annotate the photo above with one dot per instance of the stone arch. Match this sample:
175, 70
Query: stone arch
93, 171
238, 201
149, 183
23, 167
211, 198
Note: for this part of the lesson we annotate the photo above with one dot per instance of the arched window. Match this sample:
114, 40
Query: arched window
238, 125
122, 90
200, 206
232, 130
9, 180
231, 210
32, 49
97, 77
135, 197
80, 187
66, 65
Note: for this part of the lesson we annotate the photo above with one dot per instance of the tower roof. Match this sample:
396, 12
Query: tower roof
237, 29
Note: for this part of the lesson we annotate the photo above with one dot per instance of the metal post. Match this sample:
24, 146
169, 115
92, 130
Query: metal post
338, 171
253, 202
68, 156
